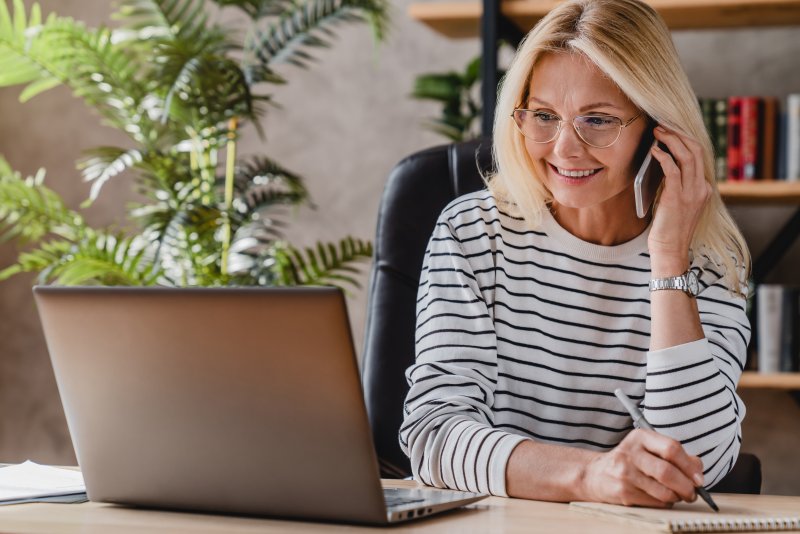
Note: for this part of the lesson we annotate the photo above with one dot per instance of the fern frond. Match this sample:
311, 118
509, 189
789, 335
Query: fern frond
148, 19
261, 183
325, 265
97, 258
103, 163
109, 79
63, 51
304, 25
202, 86
26, 55
257, 9
29, 210
106, 259
40, 260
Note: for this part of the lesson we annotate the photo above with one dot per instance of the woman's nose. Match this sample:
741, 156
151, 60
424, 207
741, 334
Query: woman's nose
568, 144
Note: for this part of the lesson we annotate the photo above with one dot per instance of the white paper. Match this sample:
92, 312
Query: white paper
30, 480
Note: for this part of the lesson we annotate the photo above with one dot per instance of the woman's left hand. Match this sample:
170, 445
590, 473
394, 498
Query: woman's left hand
683, 198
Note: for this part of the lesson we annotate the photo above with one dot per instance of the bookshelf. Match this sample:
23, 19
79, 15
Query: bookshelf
783, 381
461, 19
760, 192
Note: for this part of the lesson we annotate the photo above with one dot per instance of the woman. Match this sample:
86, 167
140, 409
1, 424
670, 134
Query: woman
535, 302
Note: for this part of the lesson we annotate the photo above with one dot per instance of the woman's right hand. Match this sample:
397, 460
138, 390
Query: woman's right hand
645, 469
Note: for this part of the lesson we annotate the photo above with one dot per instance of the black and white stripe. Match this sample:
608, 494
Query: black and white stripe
526, 333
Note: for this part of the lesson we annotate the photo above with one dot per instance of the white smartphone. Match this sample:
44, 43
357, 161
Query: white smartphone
645, 185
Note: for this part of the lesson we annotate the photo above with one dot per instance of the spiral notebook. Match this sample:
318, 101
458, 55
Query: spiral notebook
776, 513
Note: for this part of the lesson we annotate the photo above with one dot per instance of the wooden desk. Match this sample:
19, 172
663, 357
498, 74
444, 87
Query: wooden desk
492, 515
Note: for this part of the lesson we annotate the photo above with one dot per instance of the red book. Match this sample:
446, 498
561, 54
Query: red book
749, 134
735, 171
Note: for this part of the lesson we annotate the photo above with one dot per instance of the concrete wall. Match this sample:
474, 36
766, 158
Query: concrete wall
343, 125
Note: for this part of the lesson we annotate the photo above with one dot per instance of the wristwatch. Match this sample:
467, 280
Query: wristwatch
687, 282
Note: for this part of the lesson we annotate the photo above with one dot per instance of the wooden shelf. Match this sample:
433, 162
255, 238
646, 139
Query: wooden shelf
460, 19
755, 380
760, 192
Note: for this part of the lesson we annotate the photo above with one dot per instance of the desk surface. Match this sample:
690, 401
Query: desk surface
494, 514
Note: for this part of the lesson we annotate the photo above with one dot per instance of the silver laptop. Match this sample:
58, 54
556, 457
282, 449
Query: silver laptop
242, 401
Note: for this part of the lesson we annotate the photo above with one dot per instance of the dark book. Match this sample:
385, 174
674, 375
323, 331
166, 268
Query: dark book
769, 139
749, 137
790, 344
781, 157
721, 138
734, 138
707, 109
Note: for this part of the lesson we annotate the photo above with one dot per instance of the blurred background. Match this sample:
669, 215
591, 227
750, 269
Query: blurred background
344, 123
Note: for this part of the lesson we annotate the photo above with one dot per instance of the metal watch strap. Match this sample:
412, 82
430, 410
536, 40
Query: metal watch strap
686, 282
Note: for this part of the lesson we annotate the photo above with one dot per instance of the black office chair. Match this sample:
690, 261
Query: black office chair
418, 189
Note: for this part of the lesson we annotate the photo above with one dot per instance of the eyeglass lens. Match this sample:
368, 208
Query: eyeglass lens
597, 130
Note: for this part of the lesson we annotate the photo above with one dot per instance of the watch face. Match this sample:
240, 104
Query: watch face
692, 284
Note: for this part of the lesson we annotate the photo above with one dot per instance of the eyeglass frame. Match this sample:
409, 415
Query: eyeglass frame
622, 124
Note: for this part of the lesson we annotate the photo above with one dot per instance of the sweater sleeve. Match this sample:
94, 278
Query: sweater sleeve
690, 390
448, 429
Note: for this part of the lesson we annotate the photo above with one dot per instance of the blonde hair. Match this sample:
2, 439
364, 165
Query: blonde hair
629, 43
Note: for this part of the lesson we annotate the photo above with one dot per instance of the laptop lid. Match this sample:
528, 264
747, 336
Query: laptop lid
243, 401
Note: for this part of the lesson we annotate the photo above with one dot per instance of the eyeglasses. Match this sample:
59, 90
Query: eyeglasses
598, 131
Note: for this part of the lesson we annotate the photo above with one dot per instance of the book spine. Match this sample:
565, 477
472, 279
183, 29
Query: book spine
769, 134
770, 305
793, 137
788, 335
721, 137
782, 140
794, 366
734, 138
707, 109
749, 137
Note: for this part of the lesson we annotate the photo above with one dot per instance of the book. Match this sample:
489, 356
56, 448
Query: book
697, 517
781, 156
707, 110
749, 134
720, 116
793, 137
789, 336
768, 141
778, 328
734, 138
770, 322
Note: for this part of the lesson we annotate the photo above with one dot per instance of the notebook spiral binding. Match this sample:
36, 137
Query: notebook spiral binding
736, 525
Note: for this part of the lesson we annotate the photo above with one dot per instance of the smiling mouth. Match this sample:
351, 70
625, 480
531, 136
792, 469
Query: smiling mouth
575, 174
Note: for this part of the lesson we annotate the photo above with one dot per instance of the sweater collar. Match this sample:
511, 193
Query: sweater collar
590, 251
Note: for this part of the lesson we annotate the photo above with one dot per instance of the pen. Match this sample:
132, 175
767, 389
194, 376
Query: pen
638, 419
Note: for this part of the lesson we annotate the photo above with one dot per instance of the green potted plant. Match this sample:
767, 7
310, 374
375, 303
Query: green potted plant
181, 87
458, 95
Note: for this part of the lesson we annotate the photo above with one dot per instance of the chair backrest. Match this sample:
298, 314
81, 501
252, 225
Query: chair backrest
418, 189
745, 477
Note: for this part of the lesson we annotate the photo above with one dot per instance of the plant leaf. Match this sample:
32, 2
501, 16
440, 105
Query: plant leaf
301, 25
105, 162
316, 267
30, 211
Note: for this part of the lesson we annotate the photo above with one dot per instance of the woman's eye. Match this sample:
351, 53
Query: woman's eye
599, 121
544, 117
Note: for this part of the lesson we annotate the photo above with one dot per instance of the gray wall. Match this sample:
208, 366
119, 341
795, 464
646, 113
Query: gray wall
343, 125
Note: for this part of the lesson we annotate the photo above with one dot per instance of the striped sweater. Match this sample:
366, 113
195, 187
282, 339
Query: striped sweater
526, 334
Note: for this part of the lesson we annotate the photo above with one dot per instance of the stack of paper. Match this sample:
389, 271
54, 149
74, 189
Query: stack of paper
31, 482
